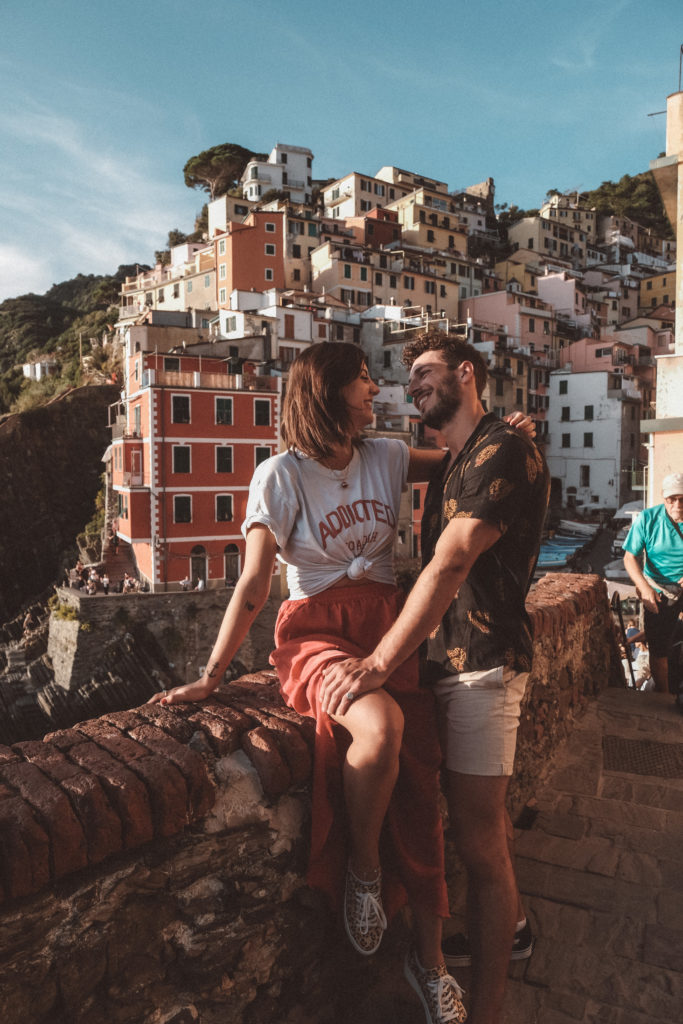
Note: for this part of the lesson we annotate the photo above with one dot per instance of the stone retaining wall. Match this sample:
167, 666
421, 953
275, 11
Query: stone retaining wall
185, 625
152, 861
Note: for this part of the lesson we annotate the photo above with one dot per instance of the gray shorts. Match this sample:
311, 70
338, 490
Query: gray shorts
481, 712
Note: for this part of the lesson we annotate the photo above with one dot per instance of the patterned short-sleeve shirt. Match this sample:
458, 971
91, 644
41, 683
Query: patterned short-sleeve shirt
501, 478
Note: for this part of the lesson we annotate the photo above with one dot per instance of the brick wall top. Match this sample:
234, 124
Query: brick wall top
115, 783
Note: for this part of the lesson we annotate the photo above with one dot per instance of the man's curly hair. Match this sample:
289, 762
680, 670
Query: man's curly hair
454, 350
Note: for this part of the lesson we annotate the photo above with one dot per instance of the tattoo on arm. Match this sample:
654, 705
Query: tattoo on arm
249, 606
213, 669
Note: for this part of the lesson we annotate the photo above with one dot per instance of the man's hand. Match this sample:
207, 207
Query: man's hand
650, 597
354, 676
199, 690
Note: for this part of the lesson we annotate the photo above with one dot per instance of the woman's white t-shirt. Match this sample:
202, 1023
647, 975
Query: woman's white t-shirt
331, 523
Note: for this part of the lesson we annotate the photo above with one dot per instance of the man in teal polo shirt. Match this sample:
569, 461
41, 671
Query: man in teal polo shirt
658, 534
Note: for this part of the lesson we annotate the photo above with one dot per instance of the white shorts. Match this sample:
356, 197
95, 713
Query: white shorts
481, 716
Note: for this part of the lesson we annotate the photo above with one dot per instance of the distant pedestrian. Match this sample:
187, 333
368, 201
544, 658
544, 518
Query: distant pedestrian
114, 544
105, 582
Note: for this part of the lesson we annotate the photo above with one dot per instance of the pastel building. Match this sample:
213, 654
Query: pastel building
666, 427
186, 439
594, 438
250, 256
288, 169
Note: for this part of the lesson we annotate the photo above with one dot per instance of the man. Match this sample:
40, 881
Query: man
658, 534
481, 532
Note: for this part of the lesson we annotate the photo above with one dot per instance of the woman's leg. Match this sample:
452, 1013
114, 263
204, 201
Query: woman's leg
375, 723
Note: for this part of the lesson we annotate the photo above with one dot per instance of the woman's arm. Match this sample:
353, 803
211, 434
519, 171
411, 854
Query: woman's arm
250, 595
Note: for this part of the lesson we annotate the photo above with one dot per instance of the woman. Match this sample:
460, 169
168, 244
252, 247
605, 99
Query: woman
327, 508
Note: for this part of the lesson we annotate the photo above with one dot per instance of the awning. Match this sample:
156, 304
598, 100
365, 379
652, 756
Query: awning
107, 455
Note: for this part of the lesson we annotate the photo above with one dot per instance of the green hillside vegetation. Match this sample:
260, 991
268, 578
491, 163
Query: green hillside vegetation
56, 323
634, 197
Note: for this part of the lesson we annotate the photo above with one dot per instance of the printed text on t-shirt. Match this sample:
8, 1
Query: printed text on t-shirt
365, 510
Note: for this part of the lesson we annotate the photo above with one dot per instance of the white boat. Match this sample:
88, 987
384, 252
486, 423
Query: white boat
579, 529
615, 571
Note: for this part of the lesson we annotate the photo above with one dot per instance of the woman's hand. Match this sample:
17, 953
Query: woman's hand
199, 690
345, 681
522, 422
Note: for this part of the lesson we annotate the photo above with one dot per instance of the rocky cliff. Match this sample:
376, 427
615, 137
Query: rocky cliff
50, 468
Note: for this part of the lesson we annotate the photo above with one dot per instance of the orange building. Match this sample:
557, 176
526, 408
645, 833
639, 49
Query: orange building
189, 435
251, 256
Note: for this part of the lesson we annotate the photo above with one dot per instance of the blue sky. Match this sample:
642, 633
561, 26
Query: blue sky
102, 104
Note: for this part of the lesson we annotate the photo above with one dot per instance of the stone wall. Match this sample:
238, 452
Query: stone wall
151, 861
185, 625
50, 467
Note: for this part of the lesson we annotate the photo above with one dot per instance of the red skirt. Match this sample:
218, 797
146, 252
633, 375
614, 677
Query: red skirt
310, 634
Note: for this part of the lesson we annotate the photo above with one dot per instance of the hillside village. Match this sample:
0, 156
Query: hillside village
570, 310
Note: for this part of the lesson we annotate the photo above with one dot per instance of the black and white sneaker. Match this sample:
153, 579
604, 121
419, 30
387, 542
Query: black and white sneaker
457, 952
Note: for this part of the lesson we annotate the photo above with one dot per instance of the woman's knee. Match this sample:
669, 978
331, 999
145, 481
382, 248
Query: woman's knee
381, 730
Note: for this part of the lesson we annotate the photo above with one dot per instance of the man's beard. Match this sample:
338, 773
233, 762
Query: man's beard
445, 407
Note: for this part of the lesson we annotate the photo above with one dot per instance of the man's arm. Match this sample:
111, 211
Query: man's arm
458, 548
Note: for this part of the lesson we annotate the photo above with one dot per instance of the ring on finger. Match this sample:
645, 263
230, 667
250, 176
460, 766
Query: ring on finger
350, 696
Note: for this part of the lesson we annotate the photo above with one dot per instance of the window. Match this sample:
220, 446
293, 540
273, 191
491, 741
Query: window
207, 280
269, 249
588, 413
261, 412
289, 325
221, 247
499, 386
269, 274
565, 413
393, 280
387, 359
188, 286
172, 364
222, 271
519, 396
222, 295
182, 508
532, 325
584, 476
442, 291
180, 409
378, 277
270, 227
563, 387
588, 440
242, 210
261, 453
430, 235
296, 274
430, 287
312, 231
224, 508
224, 411
409, 283
224, 458
181, 458
296, 252
566, 440
363, 273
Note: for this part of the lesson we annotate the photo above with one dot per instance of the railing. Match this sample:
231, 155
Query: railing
218, 381
133, 479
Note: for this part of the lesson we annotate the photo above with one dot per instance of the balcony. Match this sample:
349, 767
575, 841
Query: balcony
133, 479
212, 381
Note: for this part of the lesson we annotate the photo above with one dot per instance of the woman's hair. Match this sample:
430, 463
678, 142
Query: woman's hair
315, 416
